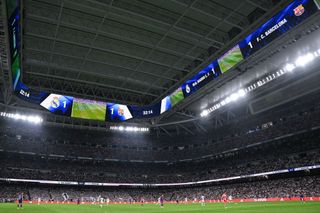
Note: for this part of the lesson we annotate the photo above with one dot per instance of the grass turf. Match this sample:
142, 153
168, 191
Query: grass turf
259, 207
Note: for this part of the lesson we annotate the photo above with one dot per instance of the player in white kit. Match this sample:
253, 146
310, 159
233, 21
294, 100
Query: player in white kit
203, 203
101, 200
108, 201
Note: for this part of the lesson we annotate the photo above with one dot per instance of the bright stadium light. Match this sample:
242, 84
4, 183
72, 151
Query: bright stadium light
289, 67
204, 113
30, 118
241, 92
227, 100
303, 60
234, 96
129, 129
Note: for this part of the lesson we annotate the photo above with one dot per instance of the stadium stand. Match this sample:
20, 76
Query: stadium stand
145, 102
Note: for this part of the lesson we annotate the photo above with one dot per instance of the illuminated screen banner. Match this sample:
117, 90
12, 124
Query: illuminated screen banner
201, 79
58, 104
145, 112
16, 72
118, 112
165, 104
14, 32
171, 100
291, 16
88, 109
30, 95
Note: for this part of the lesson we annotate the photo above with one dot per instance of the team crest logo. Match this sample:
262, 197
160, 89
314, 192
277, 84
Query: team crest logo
120, 111
298, 11
187, 88
55, 103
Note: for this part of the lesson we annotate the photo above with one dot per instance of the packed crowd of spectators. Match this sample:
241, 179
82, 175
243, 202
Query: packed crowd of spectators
295, 151
284, 188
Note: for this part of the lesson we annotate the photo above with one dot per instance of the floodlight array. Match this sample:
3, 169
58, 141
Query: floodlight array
129, 129
29, 118
301, 61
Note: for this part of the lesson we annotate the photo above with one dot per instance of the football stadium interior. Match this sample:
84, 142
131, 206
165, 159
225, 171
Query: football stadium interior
159, 106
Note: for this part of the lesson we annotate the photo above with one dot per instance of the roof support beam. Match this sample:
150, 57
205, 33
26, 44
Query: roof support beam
257, 5
185, 128
116, 16
211, 15
99, 62
41, 63
168, 133
154, 20
96, 34
91, 83
162, 38
109, 35
172, 67
56, 34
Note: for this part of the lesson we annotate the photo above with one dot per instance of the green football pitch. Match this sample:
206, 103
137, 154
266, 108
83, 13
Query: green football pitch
261, 207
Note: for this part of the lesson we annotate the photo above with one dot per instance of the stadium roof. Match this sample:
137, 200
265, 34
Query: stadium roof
137, 52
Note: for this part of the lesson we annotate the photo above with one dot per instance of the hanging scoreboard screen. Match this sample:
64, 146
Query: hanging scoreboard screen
292, 15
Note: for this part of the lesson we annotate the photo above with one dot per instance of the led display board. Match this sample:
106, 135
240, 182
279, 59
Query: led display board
58, 104
88, 109
118, 112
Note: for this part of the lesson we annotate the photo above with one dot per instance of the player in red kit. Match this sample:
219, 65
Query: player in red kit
224, 199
